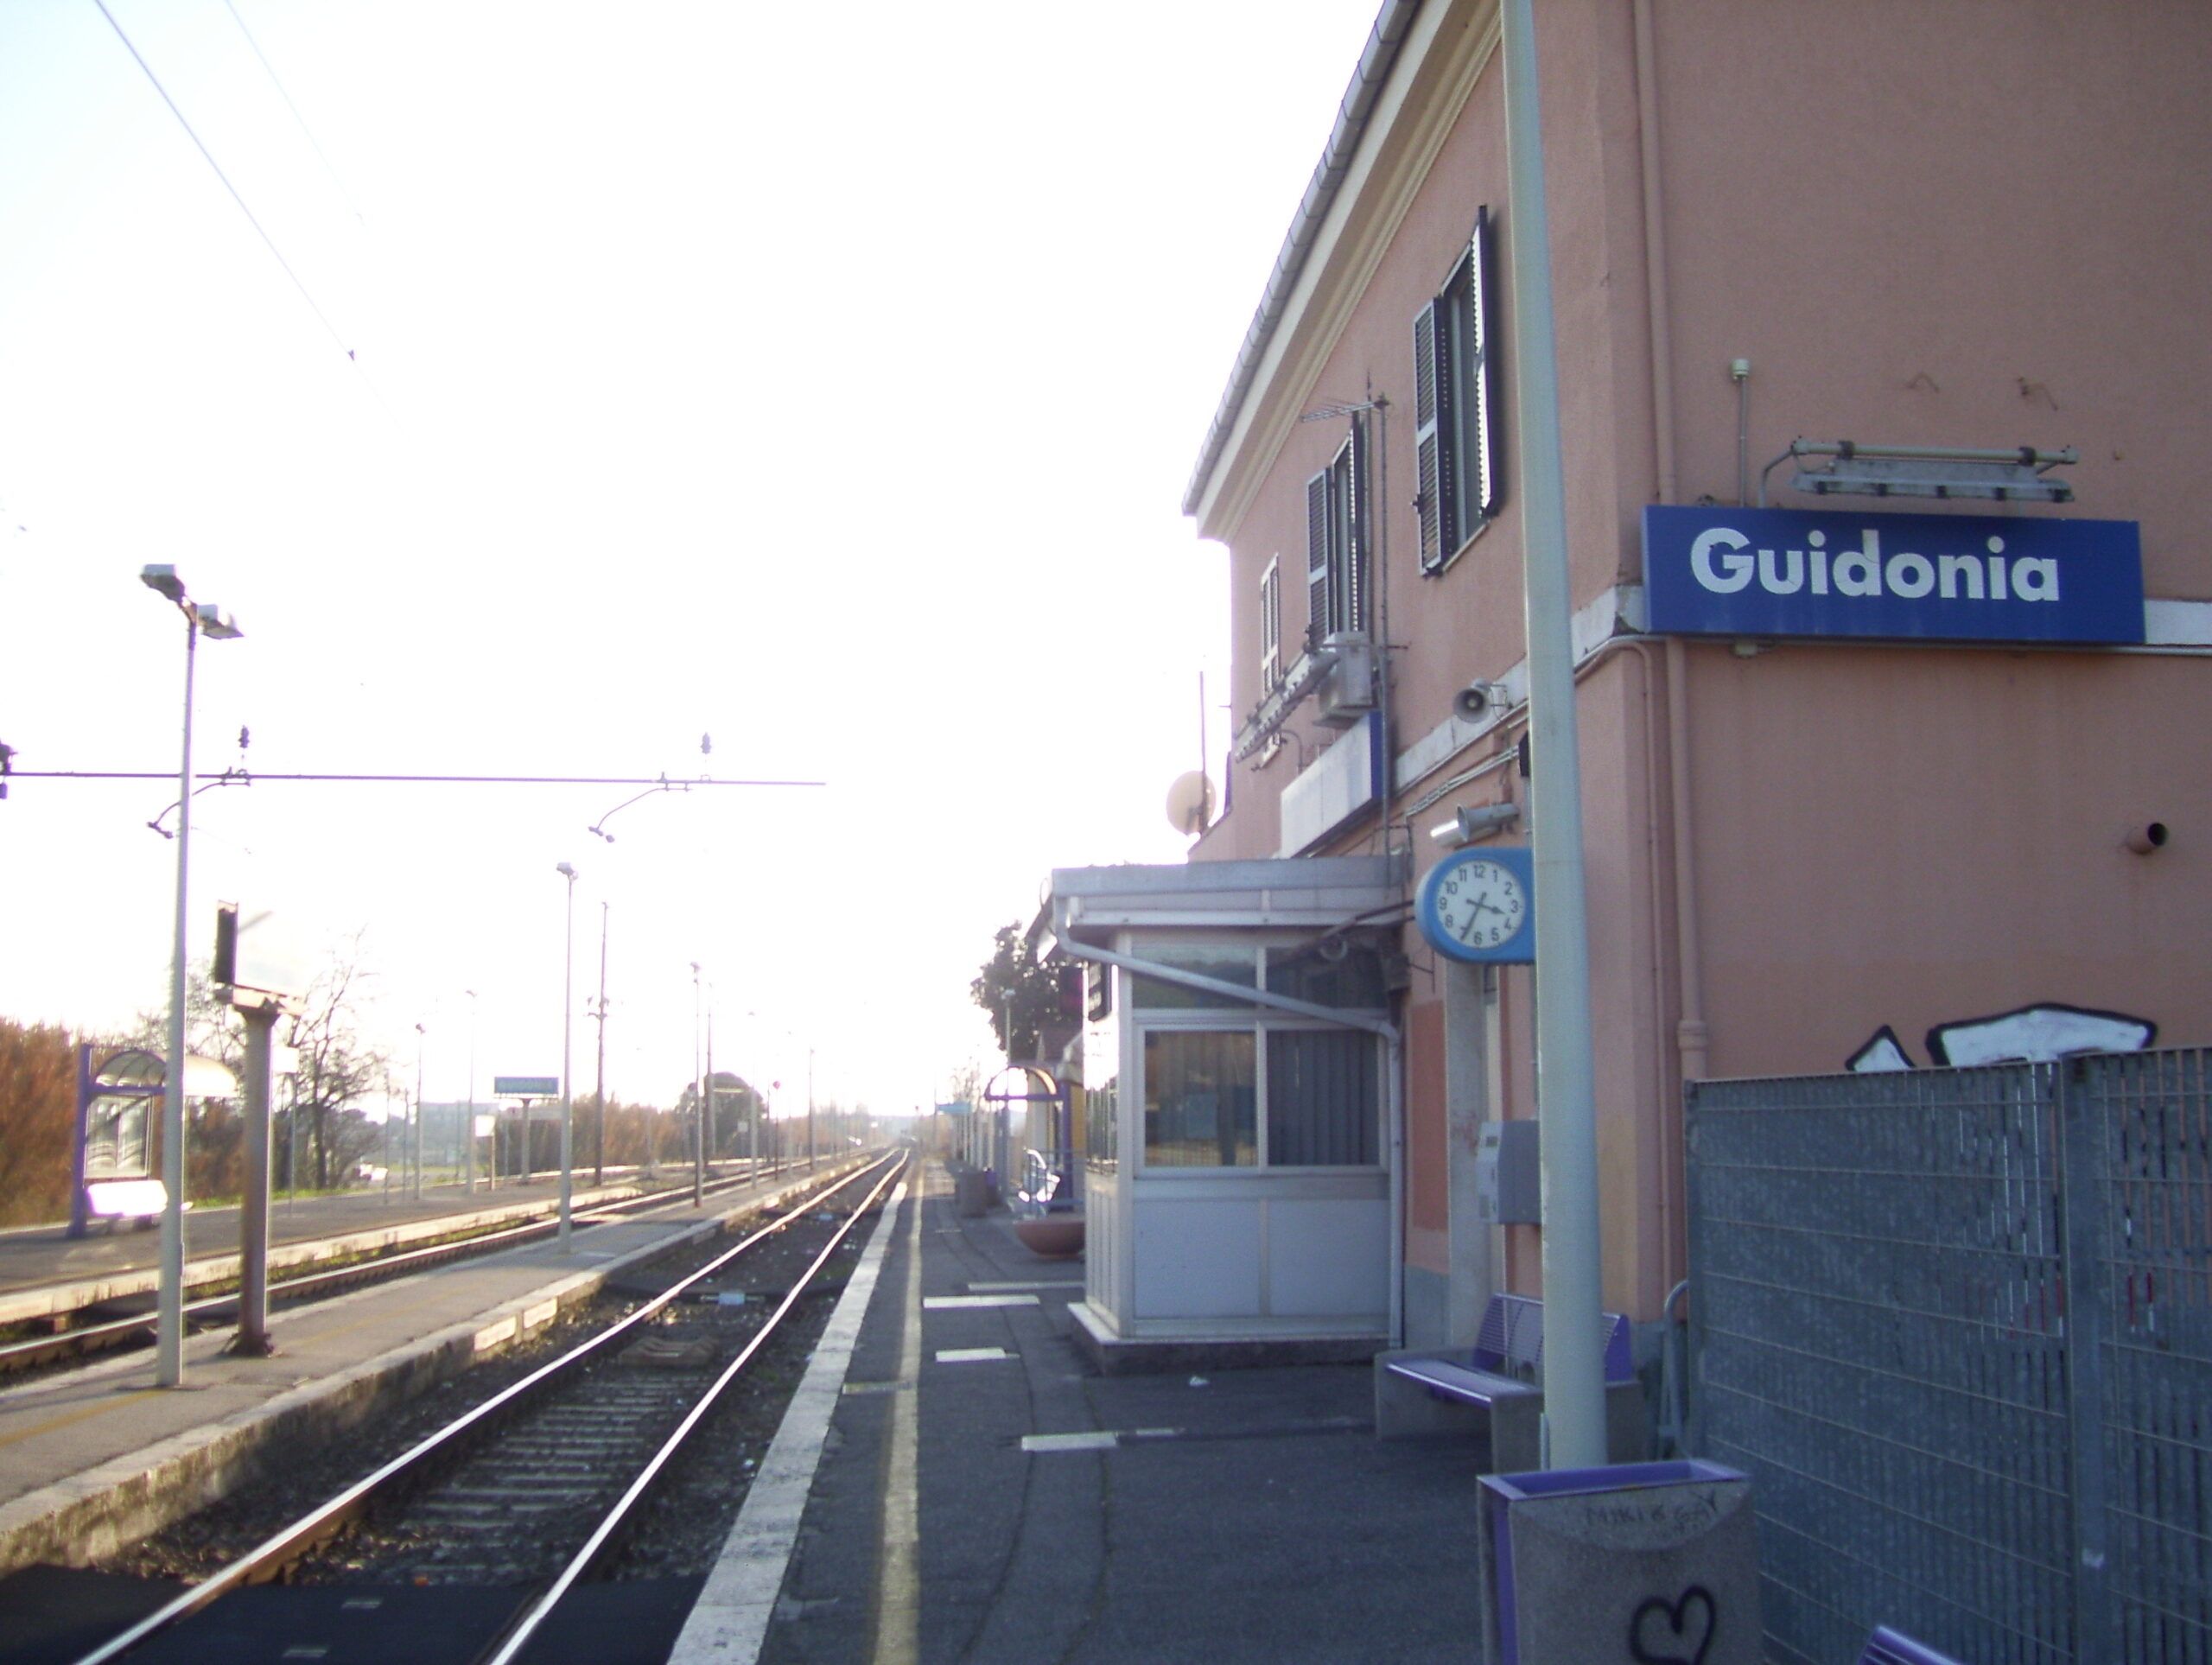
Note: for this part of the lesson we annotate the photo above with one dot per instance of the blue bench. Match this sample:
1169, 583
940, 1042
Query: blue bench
1888, 1647
1499, 1384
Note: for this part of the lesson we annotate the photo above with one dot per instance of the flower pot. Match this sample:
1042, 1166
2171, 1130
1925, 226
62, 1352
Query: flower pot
1051, 1237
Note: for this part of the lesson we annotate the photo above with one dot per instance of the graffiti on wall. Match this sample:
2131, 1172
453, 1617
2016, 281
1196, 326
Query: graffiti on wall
2028, 1034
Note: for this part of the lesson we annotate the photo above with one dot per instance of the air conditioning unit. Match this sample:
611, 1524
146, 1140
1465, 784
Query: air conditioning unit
1348, 691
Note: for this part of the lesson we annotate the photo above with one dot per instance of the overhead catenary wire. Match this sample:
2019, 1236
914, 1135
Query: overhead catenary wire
241, 778
306, 132
209, 156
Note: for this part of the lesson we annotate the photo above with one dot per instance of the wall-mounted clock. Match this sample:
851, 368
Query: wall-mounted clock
1480, 906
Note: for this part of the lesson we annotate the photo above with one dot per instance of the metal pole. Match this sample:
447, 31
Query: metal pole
698, 1102
291, 1140
415, 1142
252, 1339
810, 1110
568, 1017
468, 1128
1574, 1388
169, 1323
599, 1097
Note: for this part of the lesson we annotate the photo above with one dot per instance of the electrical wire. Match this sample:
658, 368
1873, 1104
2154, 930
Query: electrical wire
242, 779
276, 81
210, 157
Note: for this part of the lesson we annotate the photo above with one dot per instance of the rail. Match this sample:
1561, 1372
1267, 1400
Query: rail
267, 1559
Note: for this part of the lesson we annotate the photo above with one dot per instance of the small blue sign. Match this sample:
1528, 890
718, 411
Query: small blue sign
525, 1086
1720, 571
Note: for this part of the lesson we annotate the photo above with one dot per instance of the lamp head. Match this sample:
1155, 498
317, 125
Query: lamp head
163, 577
215, 624
565, 871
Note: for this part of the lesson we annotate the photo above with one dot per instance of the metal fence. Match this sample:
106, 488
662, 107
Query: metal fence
1957, 1325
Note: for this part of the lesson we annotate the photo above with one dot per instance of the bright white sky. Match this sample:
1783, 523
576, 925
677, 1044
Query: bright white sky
824, 379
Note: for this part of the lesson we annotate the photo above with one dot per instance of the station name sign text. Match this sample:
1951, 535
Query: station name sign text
1789, 572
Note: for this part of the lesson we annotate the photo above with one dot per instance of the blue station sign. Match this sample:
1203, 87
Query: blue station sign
1721, 571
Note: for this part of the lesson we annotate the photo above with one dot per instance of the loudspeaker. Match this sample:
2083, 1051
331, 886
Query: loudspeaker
1476, 700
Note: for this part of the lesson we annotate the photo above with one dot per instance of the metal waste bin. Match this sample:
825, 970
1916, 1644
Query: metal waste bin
970, 1192
1639, 1561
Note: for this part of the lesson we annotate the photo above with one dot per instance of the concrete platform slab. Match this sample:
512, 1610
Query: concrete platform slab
1033, 1508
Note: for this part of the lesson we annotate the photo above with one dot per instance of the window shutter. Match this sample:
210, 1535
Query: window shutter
1427, 452
1355, 549
1481, 381
1317, 558
1270, 629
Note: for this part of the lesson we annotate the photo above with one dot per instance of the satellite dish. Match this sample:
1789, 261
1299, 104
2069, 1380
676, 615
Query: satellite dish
1189, 804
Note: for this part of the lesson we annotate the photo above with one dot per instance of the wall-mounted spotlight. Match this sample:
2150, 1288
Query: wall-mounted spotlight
1467, 825
2151, 836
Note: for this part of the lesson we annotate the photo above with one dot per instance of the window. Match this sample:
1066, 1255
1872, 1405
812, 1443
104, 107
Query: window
1455, 406
1222, 964
1336, 543
1102, 1098
1271, 628
1198, 1099
1321, 1098
1227, 1084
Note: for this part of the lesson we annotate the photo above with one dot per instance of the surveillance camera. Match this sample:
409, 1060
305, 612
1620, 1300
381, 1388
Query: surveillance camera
1477, 700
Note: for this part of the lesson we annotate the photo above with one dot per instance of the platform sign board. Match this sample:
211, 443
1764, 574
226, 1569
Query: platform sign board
525, 1086
1714, 570
256, 957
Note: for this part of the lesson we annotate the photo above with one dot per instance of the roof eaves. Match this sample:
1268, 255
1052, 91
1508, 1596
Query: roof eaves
1392, 25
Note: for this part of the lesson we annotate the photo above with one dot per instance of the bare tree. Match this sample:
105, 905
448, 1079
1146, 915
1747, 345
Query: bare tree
338, 1069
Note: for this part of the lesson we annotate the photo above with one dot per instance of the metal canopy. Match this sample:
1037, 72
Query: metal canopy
1309, 892
135, 1067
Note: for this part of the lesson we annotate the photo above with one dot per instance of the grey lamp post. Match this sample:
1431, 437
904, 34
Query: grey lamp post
468, 1126
415, 1187
568, 1004
699, 1103
200, 619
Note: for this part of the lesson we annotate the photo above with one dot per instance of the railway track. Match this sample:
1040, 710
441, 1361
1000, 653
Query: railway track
84, 1340
524, 1497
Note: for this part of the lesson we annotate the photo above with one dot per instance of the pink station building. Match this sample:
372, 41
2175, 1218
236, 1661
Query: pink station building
1883, 359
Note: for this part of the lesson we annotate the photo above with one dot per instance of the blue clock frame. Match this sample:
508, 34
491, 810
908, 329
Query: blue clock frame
1519, 949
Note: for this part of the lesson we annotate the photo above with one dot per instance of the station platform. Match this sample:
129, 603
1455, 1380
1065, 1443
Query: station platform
954, 1482
97, 1457
45, 1272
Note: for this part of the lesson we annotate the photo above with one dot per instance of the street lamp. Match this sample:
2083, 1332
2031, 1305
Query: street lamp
200, 619
468, 1128
699, 1107
415, 1190
568, 1004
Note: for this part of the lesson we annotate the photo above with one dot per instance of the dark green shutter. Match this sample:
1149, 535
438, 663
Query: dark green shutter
1317, 558
1354, 591
1427, 451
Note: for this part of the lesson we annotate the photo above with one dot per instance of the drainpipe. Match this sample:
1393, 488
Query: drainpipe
1690, 1034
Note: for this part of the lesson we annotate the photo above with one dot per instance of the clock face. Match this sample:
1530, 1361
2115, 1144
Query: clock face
1479, 906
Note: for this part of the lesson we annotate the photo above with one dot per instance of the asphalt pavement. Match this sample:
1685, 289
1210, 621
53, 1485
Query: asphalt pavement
1058, 1515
